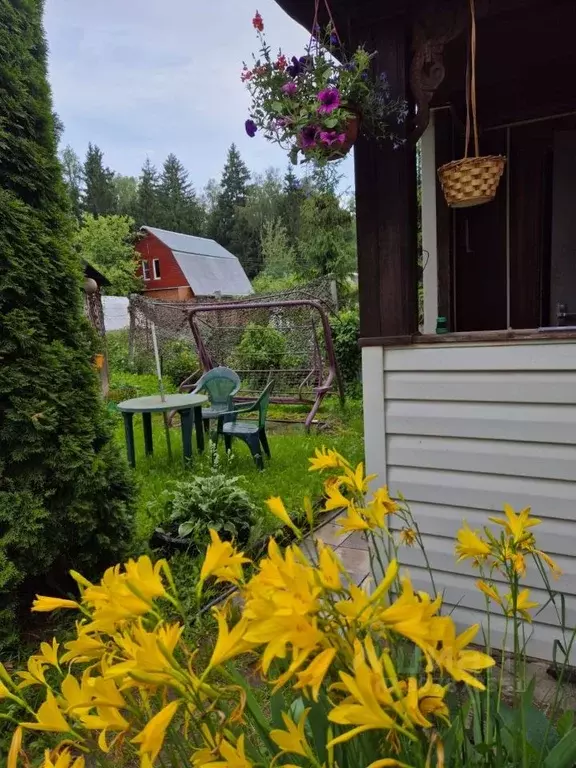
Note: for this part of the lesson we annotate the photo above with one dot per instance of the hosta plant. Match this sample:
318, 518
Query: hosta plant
314, 104
352, 676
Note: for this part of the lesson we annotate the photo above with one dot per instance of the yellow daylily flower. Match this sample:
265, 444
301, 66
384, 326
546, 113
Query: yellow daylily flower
48, 653
329, 569
222, 561
62, 760
309, 511
276, 506
408, 536
353, 521
106, 719
145, 578
313, 676
34, 675
232, 756
230, 643
44, 604
49, 717
489, 590
523, 604
335, 498
455, 659
151, 737
83, 648
388, 762
15, 747
326, 459
519, 563
355, 479
145, 652
470, 544
516, 524
293, 739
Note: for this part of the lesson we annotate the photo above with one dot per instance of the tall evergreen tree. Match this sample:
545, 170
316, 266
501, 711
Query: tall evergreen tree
126, 192
99, 191
179, 210
65, 498
73, 176
147, 203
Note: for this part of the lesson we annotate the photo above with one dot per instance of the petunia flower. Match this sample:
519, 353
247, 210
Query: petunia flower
331, 138
329, 100
308, 137
295, 68
251, 128
290, 88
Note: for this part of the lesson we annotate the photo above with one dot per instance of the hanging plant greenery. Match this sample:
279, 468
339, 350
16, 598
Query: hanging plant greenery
315, 105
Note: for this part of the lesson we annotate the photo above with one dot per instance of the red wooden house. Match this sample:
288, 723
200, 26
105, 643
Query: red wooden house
177, 267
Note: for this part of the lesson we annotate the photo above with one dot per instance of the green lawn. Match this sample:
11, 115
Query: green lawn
286, 475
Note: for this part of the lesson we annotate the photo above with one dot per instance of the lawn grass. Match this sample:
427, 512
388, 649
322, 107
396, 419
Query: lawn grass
286, 475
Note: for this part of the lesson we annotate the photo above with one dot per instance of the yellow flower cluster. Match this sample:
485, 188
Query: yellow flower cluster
129, 685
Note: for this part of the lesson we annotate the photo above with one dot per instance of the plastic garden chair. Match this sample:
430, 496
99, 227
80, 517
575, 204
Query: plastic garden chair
253, 433
220, 384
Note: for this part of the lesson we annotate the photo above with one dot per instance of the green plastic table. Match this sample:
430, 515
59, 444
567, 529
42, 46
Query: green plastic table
188, 406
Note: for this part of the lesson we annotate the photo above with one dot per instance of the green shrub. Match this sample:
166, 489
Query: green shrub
345, 334
179, 361
117, 350
65, 493
261, 348
214, 501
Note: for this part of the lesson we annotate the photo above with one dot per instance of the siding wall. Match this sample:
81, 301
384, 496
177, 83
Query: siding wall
468, 428
171, 276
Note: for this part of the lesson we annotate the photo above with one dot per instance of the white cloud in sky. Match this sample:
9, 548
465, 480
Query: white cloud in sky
149, 77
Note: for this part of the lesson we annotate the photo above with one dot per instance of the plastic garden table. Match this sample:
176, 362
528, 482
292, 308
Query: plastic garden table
188, 406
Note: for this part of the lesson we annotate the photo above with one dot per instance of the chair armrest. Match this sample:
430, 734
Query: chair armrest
236, 409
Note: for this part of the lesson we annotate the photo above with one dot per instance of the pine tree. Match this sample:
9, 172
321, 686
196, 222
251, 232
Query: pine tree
65, 497
179, 210
147, 203
73, 176
291, 205
99, 192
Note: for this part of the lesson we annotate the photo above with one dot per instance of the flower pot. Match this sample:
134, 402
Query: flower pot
352, 131
472, 180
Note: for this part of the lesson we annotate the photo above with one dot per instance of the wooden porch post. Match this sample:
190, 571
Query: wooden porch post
386, 202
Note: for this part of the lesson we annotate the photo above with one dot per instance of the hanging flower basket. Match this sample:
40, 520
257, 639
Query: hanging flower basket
471, 180
311, 105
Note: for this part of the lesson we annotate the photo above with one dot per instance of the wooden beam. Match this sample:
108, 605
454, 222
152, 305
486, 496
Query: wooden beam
386, 203
444, 144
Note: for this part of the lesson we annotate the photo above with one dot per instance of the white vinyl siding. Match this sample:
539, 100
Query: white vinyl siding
468, 428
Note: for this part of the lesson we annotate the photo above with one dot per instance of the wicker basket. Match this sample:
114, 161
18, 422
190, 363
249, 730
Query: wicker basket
472, 180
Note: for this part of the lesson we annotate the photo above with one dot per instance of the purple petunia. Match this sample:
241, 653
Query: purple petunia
289, 88
251, 128
295, 68
332, 138
308, 136
329, 100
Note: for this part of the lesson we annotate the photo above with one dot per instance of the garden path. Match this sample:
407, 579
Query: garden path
351, 548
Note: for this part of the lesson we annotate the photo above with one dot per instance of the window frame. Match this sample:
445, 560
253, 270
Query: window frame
156, 273
146, 270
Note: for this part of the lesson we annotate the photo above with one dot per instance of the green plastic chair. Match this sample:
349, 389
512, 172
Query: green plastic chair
220, 384
253, 433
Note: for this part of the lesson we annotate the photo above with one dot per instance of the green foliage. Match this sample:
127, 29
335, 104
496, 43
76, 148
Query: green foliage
99, 196
261, 348
345, 335
74, 178
277, 253
264, 283
107, 243
178, 208
214, 501
327, 244
65, 494
117, 350
126, 191
147, 203
178, 361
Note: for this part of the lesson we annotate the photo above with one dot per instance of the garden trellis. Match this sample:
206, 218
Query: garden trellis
285, 337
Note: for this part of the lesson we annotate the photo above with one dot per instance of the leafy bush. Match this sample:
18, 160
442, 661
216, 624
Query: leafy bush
65, 493
215, 501
117, 350
345, 334
261, 348
179, 361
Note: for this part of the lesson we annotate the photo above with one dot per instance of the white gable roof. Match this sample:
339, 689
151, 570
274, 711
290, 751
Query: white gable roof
207, 266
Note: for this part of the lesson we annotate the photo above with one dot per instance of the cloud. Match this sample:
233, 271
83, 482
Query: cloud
150, 77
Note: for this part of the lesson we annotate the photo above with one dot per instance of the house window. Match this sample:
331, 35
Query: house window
145, 270
156, 267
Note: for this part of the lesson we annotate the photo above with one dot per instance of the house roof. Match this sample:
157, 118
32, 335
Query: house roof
207, 266
90, 271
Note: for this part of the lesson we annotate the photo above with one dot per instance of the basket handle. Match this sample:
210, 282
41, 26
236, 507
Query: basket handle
471, 86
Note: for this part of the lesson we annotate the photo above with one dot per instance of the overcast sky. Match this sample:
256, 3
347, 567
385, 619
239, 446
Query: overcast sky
149, 77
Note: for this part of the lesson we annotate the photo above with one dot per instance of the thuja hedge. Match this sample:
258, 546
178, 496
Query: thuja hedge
65, 495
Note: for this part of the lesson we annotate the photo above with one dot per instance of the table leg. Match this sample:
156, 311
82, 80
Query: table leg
199, 424
129, 432
186, 426
148, 441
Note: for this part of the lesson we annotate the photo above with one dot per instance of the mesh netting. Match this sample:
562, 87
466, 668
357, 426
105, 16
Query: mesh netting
284, 337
